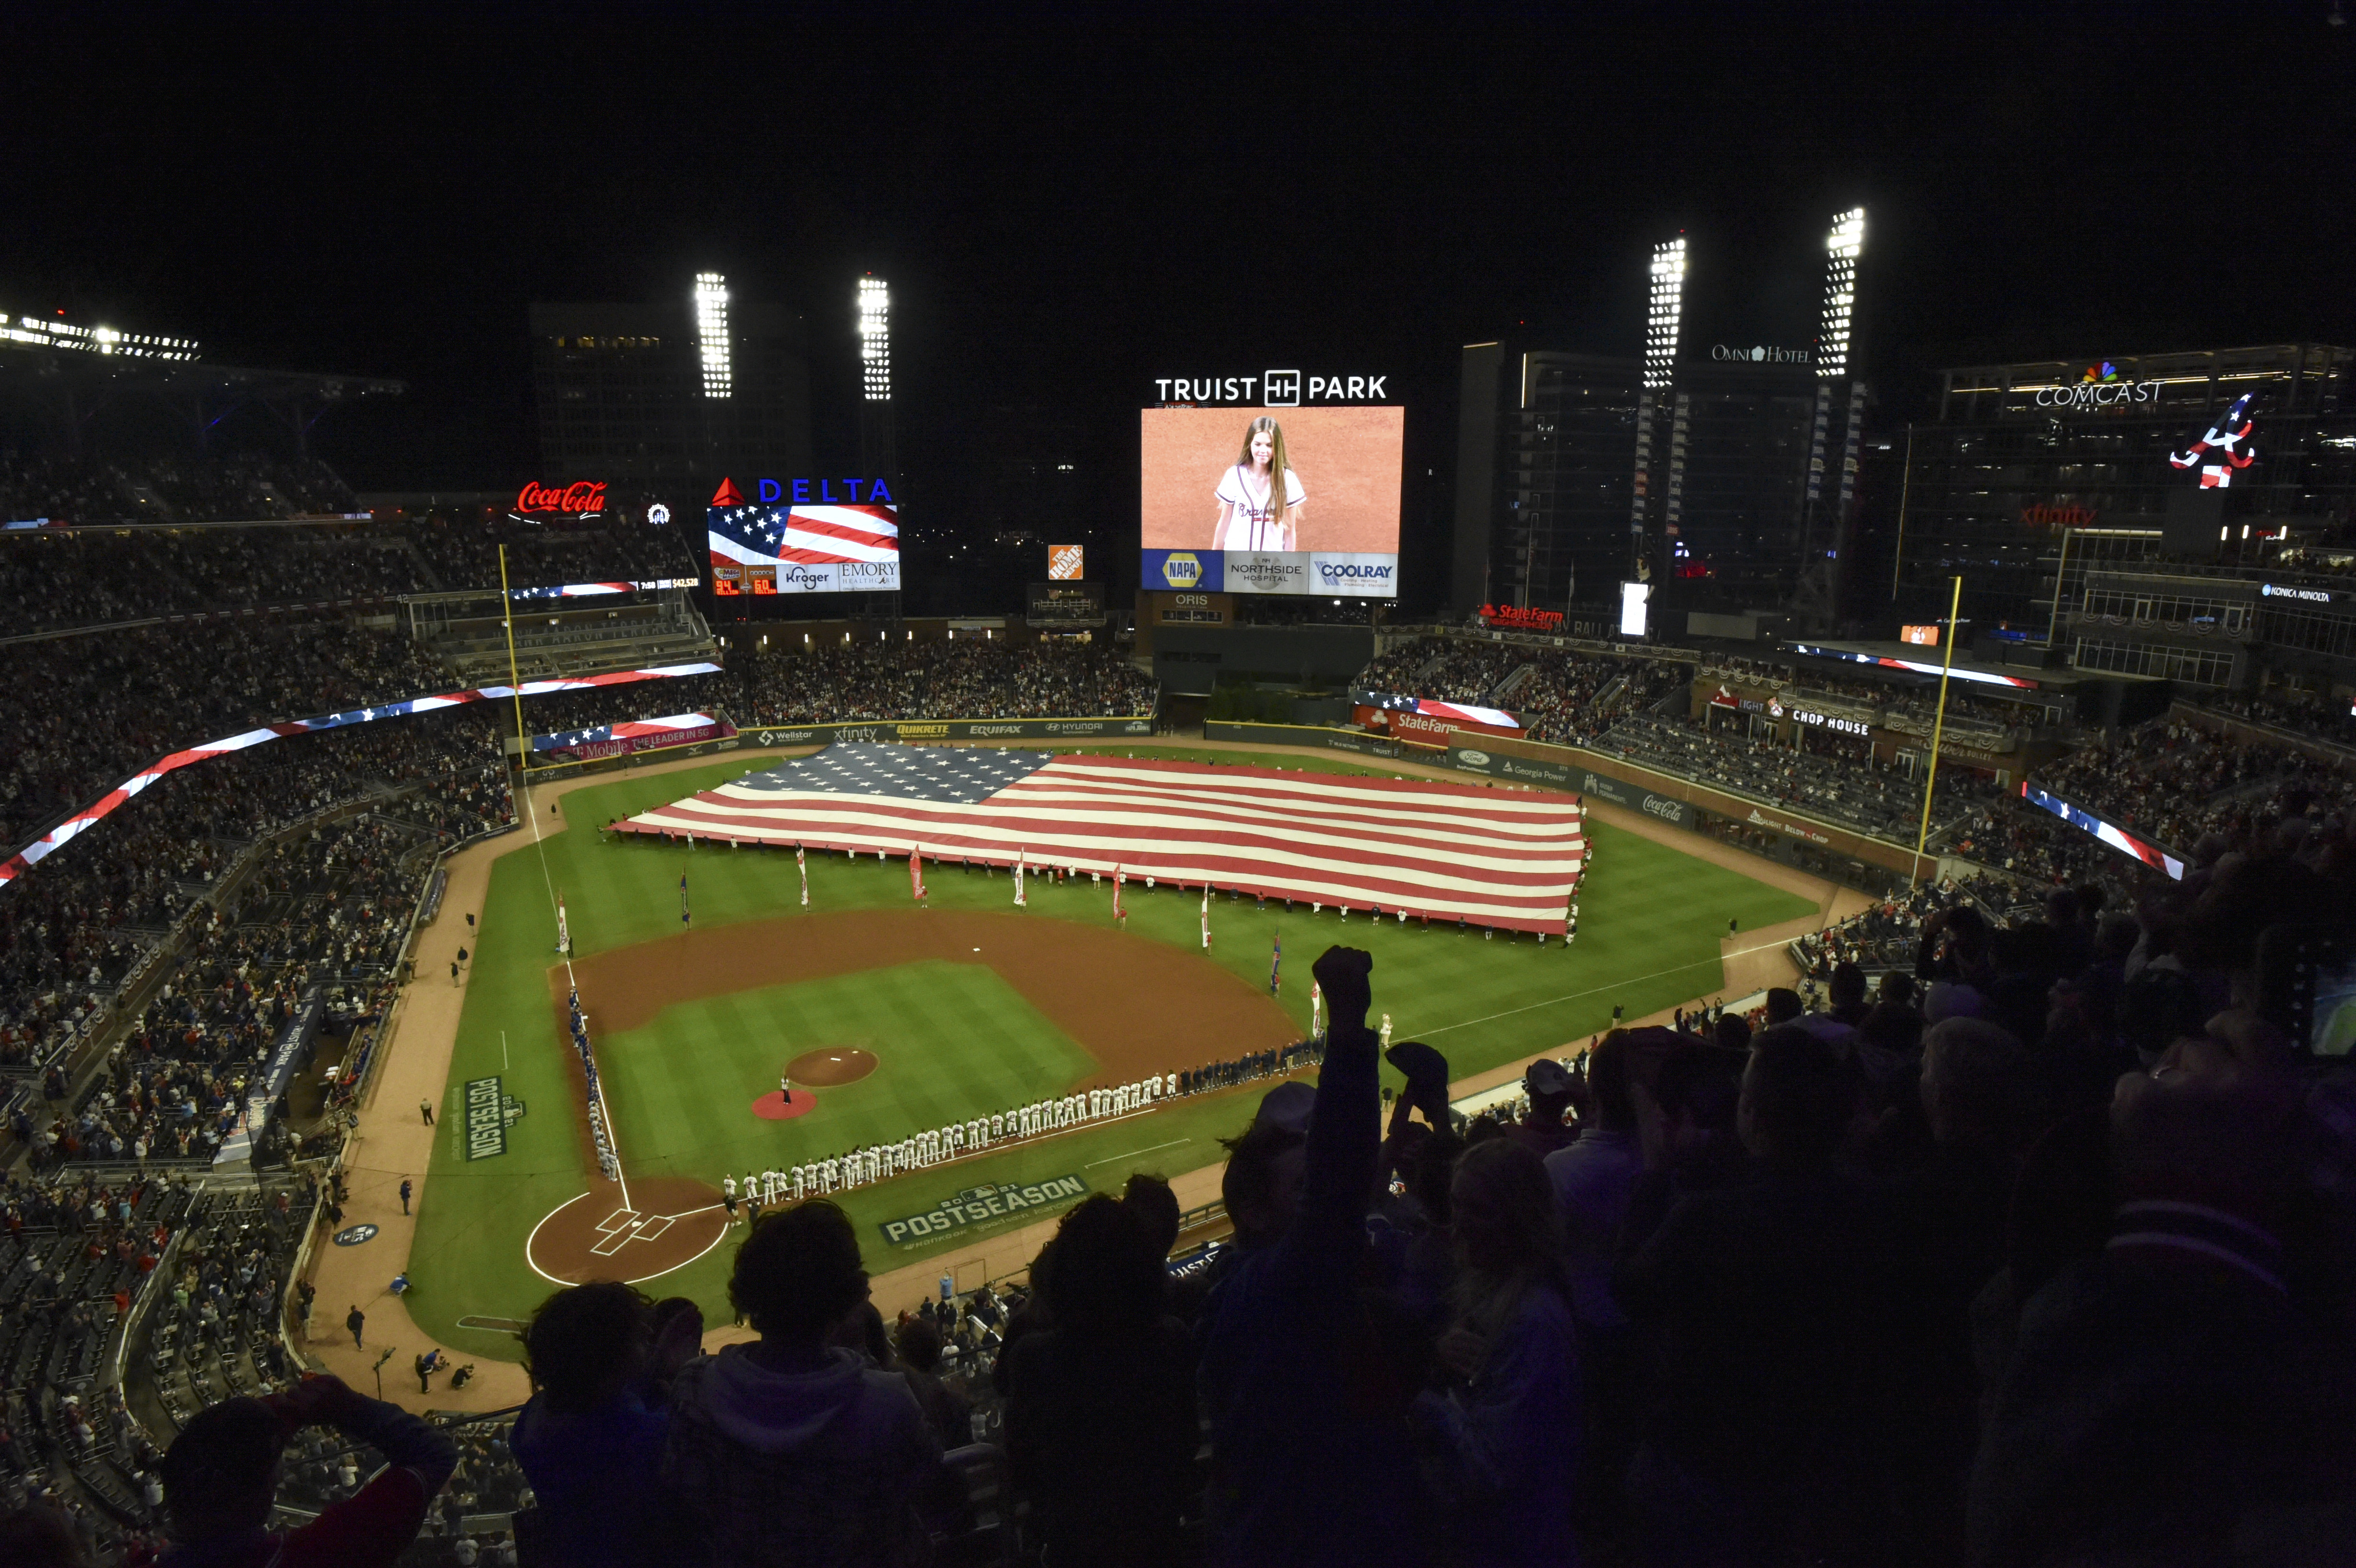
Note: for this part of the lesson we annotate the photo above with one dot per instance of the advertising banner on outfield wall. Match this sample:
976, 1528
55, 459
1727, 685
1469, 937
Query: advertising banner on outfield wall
1302, 735
980, 1205
927, 732
1582, 781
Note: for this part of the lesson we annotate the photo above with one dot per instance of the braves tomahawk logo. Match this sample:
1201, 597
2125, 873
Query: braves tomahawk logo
2223, 437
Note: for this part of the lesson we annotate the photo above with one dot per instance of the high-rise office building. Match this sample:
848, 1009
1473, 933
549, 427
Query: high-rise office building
672, 394
1723, 473
2154, 491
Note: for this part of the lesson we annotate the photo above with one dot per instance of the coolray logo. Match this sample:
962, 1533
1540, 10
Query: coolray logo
1181, 569
981, 730
1350, 572
1473, 759
1758, 356
2068, 515
1670, 809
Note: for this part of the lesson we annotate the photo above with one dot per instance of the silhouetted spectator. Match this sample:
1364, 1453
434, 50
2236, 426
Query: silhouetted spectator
1100, 1423
591, 1439
220, 1480
918, 1343
789, 1450
1504, 1438
1310, 1454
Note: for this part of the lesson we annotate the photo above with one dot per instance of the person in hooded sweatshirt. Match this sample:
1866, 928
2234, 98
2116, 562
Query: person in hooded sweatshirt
590, 1440
790, 1451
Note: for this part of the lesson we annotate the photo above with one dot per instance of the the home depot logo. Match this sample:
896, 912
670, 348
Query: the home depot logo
1065, 561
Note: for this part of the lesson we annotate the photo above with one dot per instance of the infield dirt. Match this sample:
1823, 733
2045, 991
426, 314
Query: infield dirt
1136, 1006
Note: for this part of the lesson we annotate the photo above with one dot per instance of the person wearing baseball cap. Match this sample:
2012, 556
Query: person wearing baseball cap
1548, 1085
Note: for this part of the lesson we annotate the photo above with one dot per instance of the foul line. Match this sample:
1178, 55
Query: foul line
597, 1106
1600, 990
1108, 1159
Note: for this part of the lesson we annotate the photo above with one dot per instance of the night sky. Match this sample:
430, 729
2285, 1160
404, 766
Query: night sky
1068, 202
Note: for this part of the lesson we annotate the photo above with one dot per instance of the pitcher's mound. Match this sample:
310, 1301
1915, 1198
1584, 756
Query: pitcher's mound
772, 1106
825, 1068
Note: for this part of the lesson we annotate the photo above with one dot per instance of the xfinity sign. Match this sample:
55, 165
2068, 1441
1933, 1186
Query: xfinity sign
1272, 389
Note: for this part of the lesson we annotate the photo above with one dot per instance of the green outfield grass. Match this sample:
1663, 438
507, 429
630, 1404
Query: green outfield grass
1649, 923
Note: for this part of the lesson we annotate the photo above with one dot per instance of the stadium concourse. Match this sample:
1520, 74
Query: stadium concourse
394, 1143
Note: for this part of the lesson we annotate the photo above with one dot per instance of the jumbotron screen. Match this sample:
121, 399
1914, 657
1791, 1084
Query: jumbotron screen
1214, 521
805, 536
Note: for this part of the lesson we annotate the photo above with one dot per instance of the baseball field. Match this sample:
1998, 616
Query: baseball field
896, 1019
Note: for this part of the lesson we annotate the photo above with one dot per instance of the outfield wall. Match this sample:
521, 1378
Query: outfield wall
1332, 738
917, 732
1671, 798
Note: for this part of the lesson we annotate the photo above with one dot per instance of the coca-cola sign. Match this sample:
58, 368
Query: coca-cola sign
582, 497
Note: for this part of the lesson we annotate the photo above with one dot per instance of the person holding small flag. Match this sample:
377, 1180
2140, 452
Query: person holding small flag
916, 874
1020, 902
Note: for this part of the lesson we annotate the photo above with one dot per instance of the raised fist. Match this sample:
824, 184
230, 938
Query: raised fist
1342, 973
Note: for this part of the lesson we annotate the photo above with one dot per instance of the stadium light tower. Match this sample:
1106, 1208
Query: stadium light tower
1843, 246
712, 334
875, 339
878, 442
1667, 306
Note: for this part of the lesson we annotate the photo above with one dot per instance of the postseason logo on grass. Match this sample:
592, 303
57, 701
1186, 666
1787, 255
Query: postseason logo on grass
489, 1111
976, 1205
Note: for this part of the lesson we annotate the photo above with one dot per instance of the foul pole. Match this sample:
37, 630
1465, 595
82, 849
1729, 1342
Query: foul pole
1938, 727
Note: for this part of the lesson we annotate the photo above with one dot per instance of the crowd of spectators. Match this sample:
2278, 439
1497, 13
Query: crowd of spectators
1822, 774
1885, 936
2177, 782
91, 711
2318, 714
969, 679
1447, 669
54, 580
167, 490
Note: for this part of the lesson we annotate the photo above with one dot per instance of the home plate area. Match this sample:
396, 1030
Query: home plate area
668, 1221
624, 1226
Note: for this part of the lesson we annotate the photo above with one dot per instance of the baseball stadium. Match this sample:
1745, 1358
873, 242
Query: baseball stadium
673, 941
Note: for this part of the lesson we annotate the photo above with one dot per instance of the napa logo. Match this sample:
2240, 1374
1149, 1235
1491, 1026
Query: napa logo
1181, 569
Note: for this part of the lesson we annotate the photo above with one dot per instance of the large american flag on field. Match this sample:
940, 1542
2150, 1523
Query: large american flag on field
1439, 851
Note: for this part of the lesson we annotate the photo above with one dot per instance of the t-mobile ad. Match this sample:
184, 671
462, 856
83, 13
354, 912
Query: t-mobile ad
1277, 500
